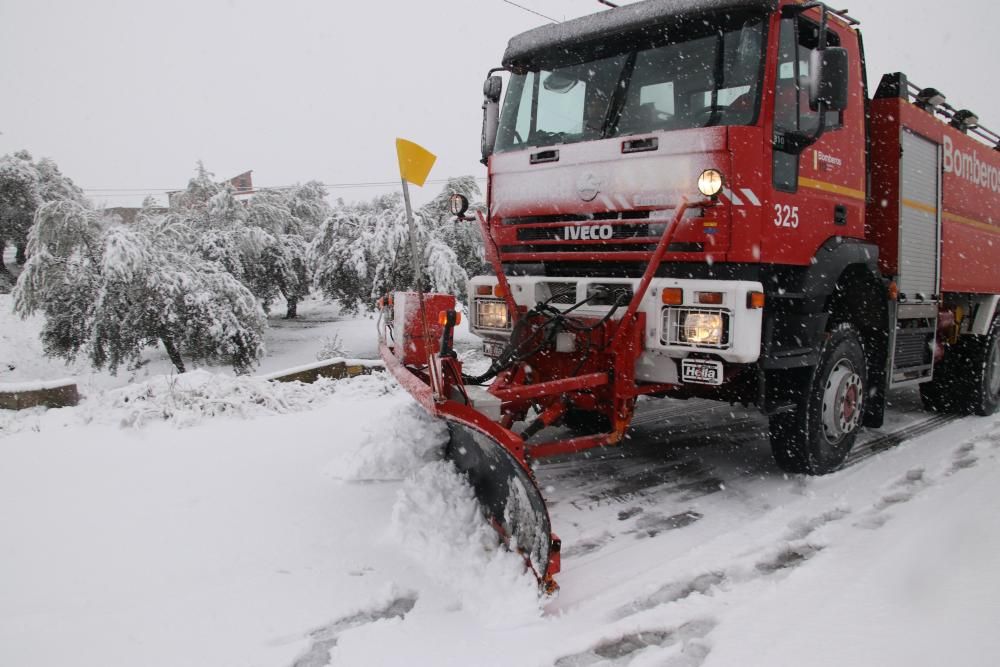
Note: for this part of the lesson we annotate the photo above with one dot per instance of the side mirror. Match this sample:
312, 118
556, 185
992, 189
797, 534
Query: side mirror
829, 77
491, 114
492, 88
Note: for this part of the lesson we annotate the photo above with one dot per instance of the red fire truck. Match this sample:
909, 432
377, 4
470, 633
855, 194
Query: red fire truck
700, 198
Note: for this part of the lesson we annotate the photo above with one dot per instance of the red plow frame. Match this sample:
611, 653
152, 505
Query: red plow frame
496, 459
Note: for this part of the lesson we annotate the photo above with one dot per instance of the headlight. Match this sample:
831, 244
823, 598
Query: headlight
703, 329
492, 314
710, 182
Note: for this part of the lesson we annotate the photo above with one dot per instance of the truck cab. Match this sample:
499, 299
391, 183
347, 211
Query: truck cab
756, 109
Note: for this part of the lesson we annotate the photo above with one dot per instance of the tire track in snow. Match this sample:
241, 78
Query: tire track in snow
691, 452
666, 467
324, 639
797, 549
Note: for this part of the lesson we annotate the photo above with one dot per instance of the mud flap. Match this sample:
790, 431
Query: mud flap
508, 495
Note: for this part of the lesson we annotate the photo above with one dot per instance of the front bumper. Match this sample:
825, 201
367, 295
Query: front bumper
664, 340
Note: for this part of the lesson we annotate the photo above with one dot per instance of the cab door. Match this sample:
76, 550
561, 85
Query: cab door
818, 191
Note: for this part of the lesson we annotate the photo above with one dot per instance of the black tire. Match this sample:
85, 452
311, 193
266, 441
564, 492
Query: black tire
817, 436
984, 373
586, 422
786, 447
968, 379
936, 397
949, 391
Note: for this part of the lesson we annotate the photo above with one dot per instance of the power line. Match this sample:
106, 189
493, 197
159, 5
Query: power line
532, 11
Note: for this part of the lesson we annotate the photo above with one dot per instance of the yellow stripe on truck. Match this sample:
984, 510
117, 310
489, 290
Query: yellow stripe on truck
823, 186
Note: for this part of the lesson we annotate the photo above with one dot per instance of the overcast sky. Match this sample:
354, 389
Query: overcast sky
129, 94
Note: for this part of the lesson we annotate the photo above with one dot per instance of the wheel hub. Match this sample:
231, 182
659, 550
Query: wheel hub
843, 398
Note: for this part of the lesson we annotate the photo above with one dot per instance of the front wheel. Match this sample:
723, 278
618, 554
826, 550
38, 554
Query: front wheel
817, 436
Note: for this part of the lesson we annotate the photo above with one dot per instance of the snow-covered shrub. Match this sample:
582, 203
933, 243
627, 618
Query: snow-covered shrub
332, 348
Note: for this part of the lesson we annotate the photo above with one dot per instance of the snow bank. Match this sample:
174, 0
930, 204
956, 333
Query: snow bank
37, 385
438, 523
188, 399
366, 363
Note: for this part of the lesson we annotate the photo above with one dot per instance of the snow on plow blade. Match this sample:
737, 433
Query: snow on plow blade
492, 457
508, 495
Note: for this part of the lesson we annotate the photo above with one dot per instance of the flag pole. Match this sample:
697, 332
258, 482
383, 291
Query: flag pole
415, 163
417, 277
418, 281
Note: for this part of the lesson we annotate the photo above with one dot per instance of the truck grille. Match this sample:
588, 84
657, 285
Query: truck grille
630, 231
541, 233
610, 216
557, 293
601, 247
559, 233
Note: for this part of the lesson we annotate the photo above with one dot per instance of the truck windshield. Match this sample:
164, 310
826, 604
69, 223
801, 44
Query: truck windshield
699, 74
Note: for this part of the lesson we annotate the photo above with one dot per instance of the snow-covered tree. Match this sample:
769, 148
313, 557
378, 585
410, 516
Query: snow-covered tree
109, 290
24, 186
363, 250
262, 242
61, 278
19, 197
290, 218
463, 237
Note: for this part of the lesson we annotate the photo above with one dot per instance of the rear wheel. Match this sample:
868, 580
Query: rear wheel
817, 436
968, 380
984, 397
949, 391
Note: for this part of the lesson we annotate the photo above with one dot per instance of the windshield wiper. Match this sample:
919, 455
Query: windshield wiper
720, 76
617, 105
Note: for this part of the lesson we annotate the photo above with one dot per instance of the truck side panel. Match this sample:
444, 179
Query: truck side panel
970, 197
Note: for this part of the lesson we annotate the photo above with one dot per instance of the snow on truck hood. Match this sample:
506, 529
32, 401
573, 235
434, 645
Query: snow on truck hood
595, 177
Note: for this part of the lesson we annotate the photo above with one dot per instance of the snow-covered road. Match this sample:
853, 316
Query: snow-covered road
332, 536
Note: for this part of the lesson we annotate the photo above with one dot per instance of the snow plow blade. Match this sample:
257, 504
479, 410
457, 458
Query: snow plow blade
493, 459
509, 497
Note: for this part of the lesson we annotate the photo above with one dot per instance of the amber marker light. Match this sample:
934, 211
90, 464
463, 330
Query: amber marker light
893, 291
673, 296
755, 300
443, 318
499, 292
710, 298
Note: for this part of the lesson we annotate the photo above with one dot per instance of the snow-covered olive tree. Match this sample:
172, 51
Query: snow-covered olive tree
290, 218
109, 291
262, 242
25, 184
463, 237
363, 250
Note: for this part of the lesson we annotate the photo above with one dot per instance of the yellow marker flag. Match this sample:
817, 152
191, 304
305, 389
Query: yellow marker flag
415, 162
